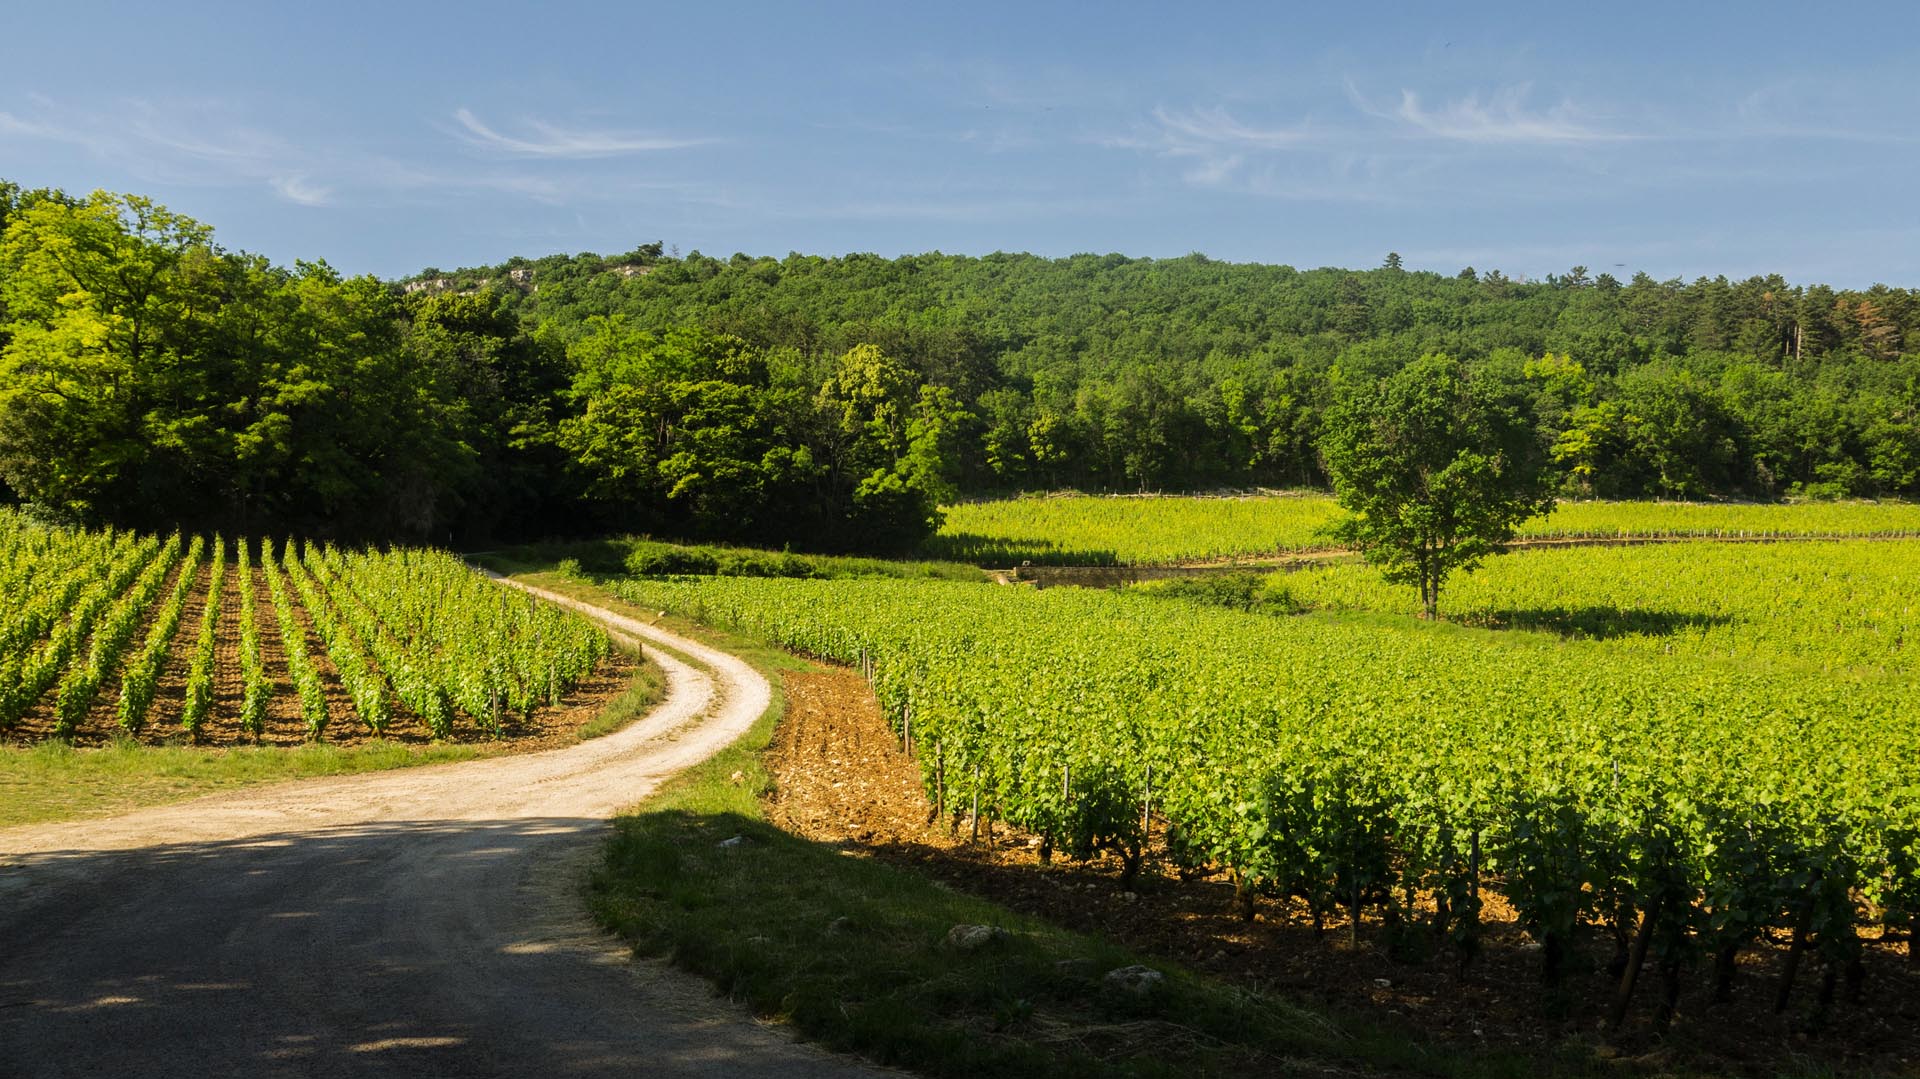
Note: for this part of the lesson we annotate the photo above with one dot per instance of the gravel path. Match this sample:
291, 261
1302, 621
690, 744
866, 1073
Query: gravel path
420, 922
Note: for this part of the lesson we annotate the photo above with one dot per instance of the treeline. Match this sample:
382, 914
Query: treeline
1116, 374
149, 377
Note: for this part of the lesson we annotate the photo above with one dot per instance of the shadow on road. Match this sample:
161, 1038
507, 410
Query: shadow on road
416, 948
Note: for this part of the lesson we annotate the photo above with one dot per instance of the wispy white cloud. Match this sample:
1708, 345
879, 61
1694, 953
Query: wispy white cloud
207, 144
22, 127
1213, 145
192, 143
1218, 127
1214, 148
1824, 110
550, 141
299, 189
1503, 116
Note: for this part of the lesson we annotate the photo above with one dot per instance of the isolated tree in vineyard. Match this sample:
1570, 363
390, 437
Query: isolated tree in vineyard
1436, 468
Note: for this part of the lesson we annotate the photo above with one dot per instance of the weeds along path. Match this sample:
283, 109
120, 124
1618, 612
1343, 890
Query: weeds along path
425, 921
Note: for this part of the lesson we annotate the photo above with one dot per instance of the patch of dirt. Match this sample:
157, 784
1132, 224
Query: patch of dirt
841, 776
839, 771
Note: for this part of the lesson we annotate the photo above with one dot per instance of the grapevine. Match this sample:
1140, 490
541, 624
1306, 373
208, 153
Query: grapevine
364, 685
1388, 774
142, 679
82, 681
200, 672
300, 669
256, 692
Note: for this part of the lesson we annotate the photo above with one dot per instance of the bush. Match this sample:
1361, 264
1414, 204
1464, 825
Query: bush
649, 558
661, 560
1237, 591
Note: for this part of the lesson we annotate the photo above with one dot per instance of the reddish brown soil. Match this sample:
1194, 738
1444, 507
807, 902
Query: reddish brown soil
342, 722
554, 726
104, 715
841, 777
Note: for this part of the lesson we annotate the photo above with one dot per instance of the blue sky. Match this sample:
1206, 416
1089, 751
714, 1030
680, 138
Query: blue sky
1677, 138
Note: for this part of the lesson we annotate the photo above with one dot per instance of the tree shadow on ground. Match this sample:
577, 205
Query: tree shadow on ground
1596, 622
997, 552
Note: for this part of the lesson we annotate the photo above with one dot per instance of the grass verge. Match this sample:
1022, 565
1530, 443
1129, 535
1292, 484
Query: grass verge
54, 781
647, 685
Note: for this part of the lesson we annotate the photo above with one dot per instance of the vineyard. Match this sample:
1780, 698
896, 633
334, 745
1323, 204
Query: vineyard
1844, 609
1680, 811
117, 635
1087, 530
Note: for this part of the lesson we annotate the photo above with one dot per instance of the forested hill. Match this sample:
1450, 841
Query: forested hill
149, 377
1112, 373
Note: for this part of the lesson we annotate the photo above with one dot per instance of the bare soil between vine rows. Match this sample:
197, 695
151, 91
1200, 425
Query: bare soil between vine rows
841, 777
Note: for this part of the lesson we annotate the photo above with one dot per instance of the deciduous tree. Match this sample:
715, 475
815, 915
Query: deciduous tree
1436, 469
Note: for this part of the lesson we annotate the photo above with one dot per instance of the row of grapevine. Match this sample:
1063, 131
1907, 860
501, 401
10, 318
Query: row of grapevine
1391, 773
490, 652
255, 692
401, 628
142, 680
82, 681
293, 639
27, 673
365, 686
51, 580
200, 672
413, 685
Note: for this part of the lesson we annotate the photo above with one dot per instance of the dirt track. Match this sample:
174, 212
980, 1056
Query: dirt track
418, 922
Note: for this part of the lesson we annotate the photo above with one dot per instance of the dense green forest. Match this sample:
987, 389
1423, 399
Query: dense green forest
149, 377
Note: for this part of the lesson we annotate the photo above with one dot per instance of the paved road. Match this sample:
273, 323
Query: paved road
423, 922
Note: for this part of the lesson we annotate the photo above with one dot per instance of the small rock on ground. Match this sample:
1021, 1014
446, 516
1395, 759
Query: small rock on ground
972, 938
1135, 981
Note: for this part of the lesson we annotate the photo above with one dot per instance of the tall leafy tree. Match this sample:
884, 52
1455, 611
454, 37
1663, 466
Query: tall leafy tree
93, 293
894, 440
1436, 469
150, 378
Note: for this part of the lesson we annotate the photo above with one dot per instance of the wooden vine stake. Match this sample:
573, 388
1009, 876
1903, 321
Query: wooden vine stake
976, 804
1146, 811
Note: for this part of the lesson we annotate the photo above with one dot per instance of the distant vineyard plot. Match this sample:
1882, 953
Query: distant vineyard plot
1085, 530
117, 635
1843, 608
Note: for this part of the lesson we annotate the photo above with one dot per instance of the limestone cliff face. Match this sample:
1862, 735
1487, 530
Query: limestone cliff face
520, 277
